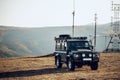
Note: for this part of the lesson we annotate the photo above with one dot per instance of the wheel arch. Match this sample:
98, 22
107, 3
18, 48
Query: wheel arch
68, 57
56, 56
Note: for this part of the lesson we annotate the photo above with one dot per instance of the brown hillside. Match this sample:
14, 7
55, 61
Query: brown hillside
43, 68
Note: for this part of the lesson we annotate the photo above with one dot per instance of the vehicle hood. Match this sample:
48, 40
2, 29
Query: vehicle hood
82, 50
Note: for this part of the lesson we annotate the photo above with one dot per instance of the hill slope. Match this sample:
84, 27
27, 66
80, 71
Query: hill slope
40, 41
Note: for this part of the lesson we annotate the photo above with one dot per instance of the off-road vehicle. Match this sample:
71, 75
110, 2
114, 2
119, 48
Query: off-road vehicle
75, 51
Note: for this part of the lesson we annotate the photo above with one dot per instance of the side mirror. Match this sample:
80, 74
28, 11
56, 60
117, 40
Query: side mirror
68, 50
92, 47
64, 48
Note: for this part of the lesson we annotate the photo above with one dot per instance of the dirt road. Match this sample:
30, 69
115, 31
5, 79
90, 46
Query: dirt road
44, 69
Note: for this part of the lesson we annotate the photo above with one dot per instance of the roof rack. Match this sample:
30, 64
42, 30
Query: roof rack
66, 36
82, 38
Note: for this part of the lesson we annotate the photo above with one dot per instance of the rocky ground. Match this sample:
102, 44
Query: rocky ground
43, 68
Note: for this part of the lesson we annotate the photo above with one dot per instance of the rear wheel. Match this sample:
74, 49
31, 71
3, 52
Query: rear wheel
58, 62
94, 66
71, 65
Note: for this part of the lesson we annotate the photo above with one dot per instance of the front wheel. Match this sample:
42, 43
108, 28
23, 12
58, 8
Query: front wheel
71, 65
94, 66
58, 62
79, 65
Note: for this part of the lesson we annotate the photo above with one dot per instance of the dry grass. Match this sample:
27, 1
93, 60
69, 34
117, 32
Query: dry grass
44, 69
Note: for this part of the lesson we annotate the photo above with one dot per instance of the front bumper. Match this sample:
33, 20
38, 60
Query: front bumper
86, 59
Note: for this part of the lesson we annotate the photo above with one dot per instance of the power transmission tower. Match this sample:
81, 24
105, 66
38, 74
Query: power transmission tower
114, 43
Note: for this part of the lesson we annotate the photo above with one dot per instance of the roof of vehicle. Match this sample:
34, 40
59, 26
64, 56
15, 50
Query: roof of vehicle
71, 39
76, 40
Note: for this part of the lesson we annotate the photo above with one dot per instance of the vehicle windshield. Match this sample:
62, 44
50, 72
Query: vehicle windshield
76, 45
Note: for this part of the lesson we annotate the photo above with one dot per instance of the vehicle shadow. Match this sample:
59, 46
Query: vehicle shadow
26, 73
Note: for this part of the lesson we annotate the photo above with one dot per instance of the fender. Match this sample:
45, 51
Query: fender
57, 55
69, 56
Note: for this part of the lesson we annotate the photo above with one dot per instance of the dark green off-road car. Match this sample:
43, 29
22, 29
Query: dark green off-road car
75, 51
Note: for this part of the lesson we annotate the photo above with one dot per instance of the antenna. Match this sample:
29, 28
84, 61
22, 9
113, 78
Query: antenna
73, 13
95, 31
73, 5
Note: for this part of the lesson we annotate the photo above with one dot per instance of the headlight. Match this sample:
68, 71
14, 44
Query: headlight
90, 55
83, 55
95, 55
76, 55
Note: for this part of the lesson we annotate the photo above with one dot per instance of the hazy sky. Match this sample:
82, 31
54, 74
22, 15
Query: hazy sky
40, 13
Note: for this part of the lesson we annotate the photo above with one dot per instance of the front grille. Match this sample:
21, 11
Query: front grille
84, 55
87, 55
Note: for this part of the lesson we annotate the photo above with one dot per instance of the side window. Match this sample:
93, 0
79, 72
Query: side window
62, 46
57, 45
65, 47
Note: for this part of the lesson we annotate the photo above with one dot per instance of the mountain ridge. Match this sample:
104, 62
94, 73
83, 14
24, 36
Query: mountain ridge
40, 41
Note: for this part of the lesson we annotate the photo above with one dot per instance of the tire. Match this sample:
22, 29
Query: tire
58, 62
71, 65
79, 65
94, 66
